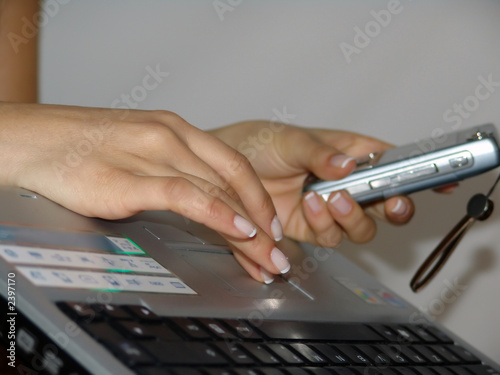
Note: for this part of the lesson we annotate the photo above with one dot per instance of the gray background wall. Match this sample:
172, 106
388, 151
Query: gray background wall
262, 56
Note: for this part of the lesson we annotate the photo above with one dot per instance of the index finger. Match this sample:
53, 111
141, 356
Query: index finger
350, 143
236, 170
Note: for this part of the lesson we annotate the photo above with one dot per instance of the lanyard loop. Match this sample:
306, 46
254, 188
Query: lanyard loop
479, 207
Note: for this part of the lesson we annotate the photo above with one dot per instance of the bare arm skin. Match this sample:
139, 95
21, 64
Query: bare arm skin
18, 51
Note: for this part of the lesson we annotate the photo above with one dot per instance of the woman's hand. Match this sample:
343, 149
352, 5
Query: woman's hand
115, 163
284, 156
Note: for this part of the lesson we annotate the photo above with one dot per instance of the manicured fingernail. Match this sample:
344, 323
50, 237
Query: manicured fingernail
244, 226
280, 261
340, 161
277, 229
266, 276
341, 204
313, 202
400, 208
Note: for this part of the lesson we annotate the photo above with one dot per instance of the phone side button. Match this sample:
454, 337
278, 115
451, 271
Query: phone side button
459, 161
382, 182
414, 174
356, 189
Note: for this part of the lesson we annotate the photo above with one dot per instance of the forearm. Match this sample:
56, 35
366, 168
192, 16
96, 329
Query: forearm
18, 51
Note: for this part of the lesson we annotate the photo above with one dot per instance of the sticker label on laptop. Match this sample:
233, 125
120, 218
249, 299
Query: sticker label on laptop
85, 260
390, 298
361, 292
79, 259
68, 239
125, 245
119, 282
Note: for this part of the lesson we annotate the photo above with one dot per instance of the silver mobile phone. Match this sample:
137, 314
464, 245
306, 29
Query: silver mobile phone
425, 164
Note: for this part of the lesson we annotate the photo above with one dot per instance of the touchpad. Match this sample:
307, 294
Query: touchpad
226, 273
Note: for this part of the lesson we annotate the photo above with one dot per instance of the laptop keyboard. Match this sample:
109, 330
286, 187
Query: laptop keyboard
152, 345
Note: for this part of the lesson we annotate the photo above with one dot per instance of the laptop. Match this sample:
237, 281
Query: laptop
159, 294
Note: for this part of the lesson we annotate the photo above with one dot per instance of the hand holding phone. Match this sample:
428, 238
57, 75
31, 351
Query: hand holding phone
413, 167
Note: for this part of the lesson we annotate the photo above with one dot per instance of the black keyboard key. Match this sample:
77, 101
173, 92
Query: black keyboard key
394, 353
405, 371
297, 371
441, 370
421, 333
446, 354
376, 357
413, 356
80, 312
134, 330
102, 331
343, 371
234, 353
430, 355
111, 311
187, 371
184, 371
317, 371
354, 355
482, 370
440, 335
462, 353
216, 328
314, 331
242, 329
261, 353
309, 354
379, 371
246, 371
129, 353
459, 370
281, 371
163, 333
142, 313
215, 371
286, 355
190, 328
404, 335
140, 331
333, 355
423, 371
386, 332
154, 371
184, 353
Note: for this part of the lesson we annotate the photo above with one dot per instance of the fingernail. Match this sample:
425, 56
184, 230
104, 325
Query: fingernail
341, 204
277, 229
244, 226
279, 260
400, 208
313, 202
340, 161
266, 276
